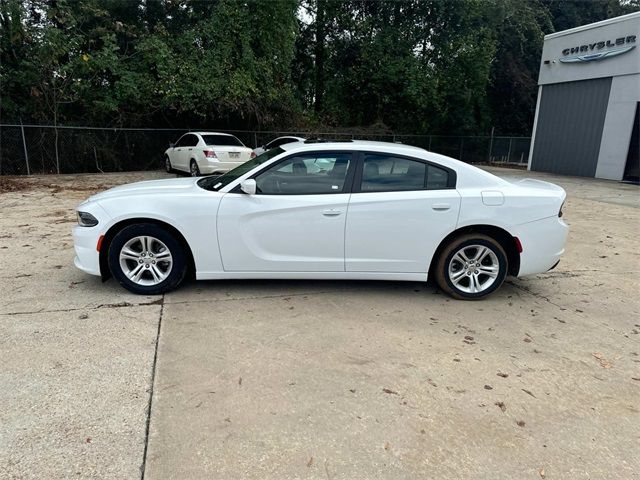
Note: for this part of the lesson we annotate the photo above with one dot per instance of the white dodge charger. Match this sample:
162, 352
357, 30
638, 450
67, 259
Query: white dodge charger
339, 210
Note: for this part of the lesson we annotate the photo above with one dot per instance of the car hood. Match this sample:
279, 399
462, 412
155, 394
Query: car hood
149, 187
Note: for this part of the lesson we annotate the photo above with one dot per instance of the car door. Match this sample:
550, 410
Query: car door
400, 210
188, 150
176, 154
295, 222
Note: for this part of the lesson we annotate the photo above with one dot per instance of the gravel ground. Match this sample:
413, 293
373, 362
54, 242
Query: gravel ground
265, 379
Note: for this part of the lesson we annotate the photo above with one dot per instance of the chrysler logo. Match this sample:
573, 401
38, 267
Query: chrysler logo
585, 53
591, 57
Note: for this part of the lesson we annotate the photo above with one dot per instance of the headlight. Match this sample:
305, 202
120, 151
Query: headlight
87, 220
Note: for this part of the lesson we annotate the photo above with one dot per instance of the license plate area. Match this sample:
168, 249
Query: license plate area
234, 154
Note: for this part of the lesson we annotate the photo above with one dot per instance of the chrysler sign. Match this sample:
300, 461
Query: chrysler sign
598, 50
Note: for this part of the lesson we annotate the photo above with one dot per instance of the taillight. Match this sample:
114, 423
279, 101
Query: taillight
210, 154
253, 155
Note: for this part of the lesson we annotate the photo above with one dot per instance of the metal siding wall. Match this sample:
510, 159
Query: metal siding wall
569, 130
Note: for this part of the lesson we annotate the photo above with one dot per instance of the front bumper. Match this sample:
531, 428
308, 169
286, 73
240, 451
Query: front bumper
85, 242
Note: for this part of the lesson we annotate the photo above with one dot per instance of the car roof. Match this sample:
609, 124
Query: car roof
212, 133
348, 145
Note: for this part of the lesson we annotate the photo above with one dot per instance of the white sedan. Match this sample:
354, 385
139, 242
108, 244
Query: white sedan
341, 210
276, 142
206, 152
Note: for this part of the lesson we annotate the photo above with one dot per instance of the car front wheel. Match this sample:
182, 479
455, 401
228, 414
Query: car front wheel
471, 267
167, 164
147, 259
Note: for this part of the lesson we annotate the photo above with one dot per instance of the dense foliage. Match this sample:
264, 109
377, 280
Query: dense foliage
415, 66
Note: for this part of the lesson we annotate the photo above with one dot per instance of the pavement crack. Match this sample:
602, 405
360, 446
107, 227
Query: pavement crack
159, 301
152, 383
531, 292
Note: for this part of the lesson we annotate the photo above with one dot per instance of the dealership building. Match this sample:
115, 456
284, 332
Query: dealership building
588, 111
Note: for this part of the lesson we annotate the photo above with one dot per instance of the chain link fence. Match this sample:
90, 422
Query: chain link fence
36, 149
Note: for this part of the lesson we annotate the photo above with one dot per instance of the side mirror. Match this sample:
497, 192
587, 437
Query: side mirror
171, 145
248, 186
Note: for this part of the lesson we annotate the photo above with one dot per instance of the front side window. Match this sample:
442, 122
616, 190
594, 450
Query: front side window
315, 173
182, 141
216, 183
386, 173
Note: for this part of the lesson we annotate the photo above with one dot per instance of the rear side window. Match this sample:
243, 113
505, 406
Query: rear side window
222, 141
386, 173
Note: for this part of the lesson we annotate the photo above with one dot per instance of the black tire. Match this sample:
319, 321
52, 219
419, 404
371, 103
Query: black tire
167, 164
444, 261
194, 169
176, 273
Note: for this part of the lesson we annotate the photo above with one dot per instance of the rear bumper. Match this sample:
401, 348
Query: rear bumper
209, 167
543, 243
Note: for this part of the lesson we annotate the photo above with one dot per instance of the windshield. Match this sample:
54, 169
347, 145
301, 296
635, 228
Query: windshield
222, 140
216, 183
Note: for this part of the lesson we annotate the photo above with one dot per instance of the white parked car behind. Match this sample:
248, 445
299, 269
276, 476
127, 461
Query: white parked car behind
206, 152
276, 142
342, 210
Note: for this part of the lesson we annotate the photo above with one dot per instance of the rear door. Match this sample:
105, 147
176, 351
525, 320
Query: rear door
189, 150
183, 151
296, 220
400, 210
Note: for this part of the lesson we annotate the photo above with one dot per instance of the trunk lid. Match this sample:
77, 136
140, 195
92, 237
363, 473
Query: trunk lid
232, 154
534, 184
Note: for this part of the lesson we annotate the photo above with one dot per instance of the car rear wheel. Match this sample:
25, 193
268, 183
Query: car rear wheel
471, 267
146, 259
194, 169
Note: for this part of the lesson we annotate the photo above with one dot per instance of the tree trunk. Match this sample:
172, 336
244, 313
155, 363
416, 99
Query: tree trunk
320, 53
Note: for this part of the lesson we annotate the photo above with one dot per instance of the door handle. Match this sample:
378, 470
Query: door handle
332, 212
441, 206
191, 149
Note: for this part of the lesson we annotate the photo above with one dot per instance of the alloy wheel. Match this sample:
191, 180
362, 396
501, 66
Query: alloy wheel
473, 268
145, 260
